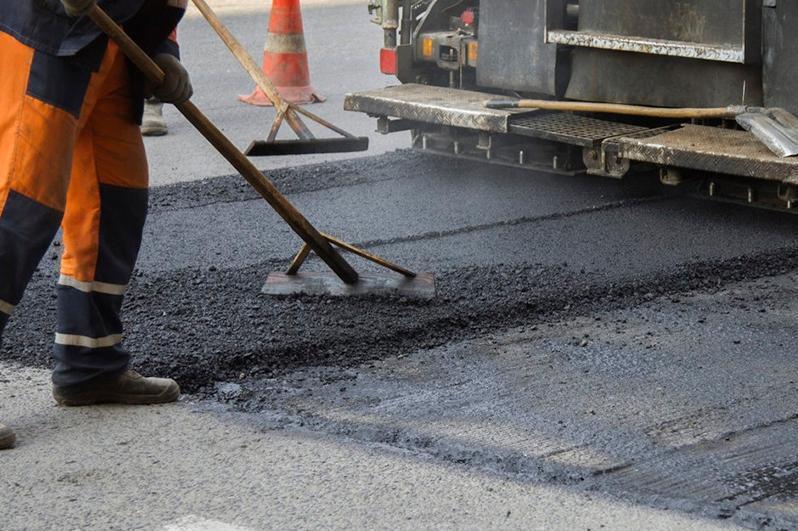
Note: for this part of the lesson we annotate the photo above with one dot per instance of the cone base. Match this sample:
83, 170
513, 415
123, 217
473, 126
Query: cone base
296, 95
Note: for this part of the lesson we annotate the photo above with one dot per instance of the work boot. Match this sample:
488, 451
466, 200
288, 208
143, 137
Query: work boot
128, 388
152, 123
7, 437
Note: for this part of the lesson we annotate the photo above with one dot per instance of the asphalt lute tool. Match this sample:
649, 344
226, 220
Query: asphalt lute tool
344, 280
286, 112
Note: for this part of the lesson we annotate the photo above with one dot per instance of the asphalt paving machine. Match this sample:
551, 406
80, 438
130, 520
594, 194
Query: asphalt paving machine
454, 56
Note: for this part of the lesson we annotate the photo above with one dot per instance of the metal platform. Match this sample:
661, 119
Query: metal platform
466, 109
711, 149
434, 105
608, 146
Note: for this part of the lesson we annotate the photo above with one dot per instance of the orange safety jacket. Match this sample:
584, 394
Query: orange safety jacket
44, 26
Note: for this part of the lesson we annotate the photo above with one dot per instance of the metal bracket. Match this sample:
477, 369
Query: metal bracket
605, 161
386, 126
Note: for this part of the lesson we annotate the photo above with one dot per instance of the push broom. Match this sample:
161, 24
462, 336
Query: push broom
343, 280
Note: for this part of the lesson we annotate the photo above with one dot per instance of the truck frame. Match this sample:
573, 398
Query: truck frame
451, 56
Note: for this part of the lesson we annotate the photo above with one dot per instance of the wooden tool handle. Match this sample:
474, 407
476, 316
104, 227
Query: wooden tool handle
229, 151
614, 108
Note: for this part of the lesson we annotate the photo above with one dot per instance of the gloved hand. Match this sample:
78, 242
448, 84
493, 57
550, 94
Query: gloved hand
176, 86
77, 8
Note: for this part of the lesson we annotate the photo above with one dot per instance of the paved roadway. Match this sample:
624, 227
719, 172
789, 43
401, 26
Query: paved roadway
601, 355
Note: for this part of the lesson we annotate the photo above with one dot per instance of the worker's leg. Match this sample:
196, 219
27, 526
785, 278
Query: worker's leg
41, 99
153, 123
105, 212
106, 207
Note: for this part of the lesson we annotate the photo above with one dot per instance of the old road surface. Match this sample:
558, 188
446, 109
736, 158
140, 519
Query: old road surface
602, 354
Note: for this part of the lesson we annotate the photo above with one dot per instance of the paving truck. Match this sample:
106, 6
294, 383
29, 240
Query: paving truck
452, 56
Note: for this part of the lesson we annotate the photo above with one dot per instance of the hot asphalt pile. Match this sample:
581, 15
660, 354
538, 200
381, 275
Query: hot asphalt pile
207, 323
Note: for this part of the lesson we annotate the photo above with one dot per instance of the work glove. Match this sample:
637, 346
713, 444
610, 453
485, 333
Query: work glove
78, 8
176, 86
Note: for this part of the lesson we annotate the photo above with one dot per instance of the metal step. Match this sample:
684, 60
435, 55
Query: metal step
434, 105
570, 128
466, 109
711, 149
626, 43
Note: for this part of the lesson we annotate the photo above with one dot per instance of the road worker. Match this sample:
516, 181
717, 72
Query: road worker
71, 154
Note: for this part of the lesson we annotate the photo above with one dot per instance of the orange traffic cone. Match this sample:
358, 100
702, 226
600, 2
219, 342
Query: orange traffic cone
285, 59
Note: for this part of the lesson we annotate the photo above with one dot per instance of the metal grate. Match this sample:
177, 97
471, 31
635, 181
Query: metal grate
570, 128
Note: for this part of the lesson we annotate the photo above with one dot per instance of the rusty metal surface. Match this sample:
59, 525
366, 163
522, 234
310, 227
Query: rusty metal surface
570, 128
623, 43
711, 149
435, 105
